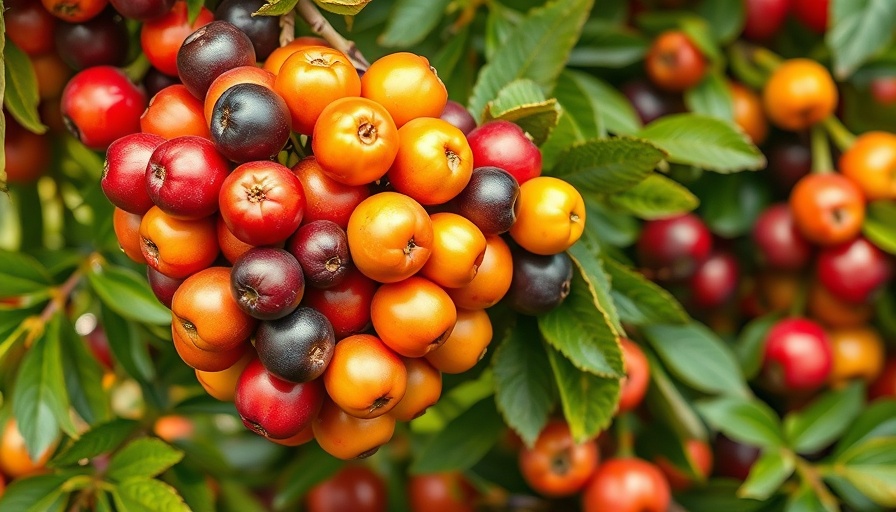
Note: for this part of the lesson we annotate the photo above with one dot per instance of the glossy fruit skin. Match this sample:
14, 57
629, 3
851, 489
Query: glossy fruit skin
263, 31
637, 376
423, 390
102, 40
700, 454
267, 283
27, 154
457, 251
298, 347
540, 283
828, 209
347, 437
441, 492
503, 144
206, 360
262, 202
222, 385
551, 216
355, 140
733, 459
321, 247
556, 465
274, 408
205, 313
162, 37
142, 10
229, 78
490, 200
100, 105
799, 93
231, 246
412, 317
492, 280
209, 51
797, 355
127, 232
177, 247
871, 164
458, 116
184, 177
715, 281
354, 487
75, 11
466, 345
627, 485
812, 13
675, 246
748, 113
249, 122
15, 462
854, 271
779, 242
346, 304
174, 112
832, 311
326, 198
29, 26
673, 62
406, 85
276, 59
312, 78
764, 18
365, 378
858, 353
163, 287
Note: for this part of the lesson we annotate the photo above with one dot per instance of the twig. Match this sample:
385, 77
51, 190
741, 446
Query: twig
59, 297
320, 26
822, 162
287, 28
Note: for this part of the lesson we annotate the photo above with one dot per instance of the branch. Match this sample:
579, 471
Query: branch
320, 26
287, 28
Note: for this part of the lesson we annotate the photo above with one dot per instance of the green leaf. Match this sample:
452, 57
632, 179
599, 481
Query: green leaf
127, 293
641, 301
463, 442
725, 18
876, 420
21, 274
274, 7
237, 497
655, 197
39, 399
871, 468
607, 166
767, 474
20, 97
342, 7
582, 332
194, 7
588, 400
83, 378
586, 255
880, 224
127, 348
816, 426
3, 177
805, 500
596, 107
859, 29
410, 21
666, 402
33, 494
730, 205
749, 421
704, 142
541, 44
148, 495
850, 495
523, 102
101, 439
193, 486
312, 466
711, 97
750, 346
524, 385
145, 457
608, 45
697, 357
717, 496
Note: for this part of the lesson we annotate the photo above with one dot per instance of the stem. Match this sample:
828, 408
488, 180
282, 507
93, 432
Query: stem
287, 28
136, 70
765, 59
842, 137
798, 307
59, 298
320, 26
744, 69
625, 438
811, 477
822, 162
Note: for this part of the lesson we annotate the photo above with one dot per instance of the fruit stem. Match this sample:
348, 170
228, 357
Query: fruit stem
625, 437
136, 70
798, 306
766, 59
287, 28
811, 477
842, 137
320, 26
822, 162
744, 69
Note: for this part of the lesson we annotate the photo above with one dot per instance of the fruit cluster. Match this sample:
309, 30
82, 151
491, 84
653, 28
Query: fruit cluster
326, 298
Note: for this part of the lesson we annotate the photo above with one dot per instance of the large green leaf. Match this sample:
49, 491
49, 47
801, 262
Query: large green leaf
541, 44
582, 331
859, 29
586, 255
711, 97
589, 401
871, 468
145, 457
730, 205
805, 499
704, 142
596, 107
816, 426
667, 403
410, 21
876, 420
607, 166
148, 495
101, 439
750, 345
523, 102
127, 293
697, 357
83, 378
655, 197
463, 442
524, 385
725, 18
21, 274
880, 224
193, 486
717, 496
748, 421
767, 474
129, 350
33, 494
606, 44
311, 467
20, 97
641, 301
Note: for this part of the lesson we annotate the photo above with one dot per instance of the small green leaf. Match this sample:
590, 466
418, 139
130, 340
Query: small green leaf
850, 495
21, 274
705, 142
541, 44
274, 7
463, 442
767, 474
859, 29
746, 420
522, 102
871, 468
725, 18
805, 499
607, 44
582, 332
816, 426
20, 97
100, 439
641, 301
711, 97
656, 197
342, 7
589, 401
586, 255
128, 294
145, 457
410, 21
83, 378
524, 385
596, 107
129, 350
717, 496
33, 494
607, 166
750, 346
148, 495
876, 420
311, 467
730, 205
880, 225
697, 357
666, 402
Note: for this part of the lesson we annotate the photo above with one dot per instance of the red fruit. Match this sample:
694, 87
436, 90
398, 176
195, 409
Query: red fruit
505, 145
764, 18
798, 356
627, 485
700, 454
124, 172
674, 247
637, 371
185, 175
100, 104
854, 271
354, 488
812, 13
780, 243
715, 281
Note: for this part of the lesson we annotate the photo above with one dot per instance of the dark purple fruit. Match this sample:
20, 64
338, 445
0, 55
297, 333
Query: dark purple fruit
733, 459
250, 122
142, 10
322, 249
101, 40
155, 81
539, 283
458, 116
163, 287
649, 102
298, 347
489, 200
267, 283
209, 51
264, 31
